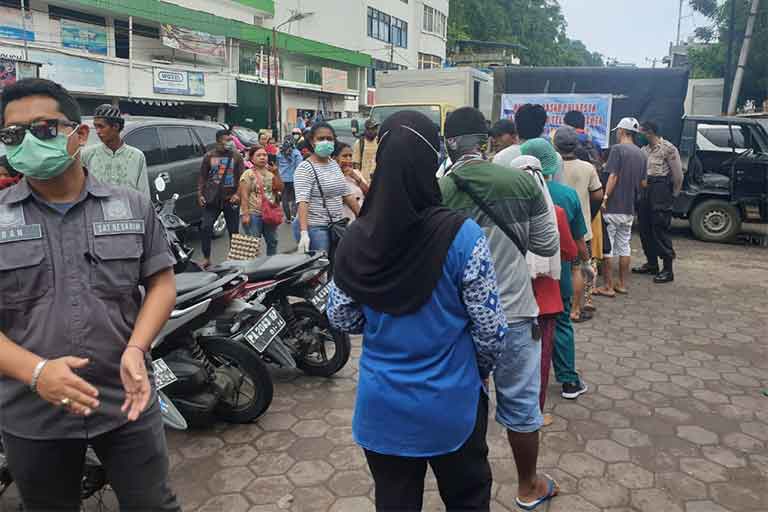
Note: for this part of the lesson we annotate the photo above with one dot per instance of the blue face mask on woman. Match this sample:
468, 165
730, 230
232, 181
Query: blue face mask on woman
324, 148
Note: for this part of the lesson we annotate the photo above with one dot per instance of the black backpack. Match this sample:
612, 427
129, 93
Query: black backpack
589, 153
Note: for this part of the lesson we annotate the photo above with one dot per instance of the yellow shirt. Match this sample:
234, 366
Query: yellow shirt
366, 161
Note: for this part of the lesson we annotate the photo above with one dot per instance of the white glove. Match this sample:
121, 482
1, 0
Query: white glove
304, 242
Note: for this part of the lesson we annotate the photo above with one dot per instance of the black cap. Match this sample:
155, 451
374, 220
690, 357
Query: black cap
503, 127
465, 121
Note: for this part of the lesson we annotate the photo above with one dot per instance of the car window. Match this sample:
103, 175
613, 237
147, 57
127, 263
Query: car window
207, 135
147, 140
720, 136
178, 143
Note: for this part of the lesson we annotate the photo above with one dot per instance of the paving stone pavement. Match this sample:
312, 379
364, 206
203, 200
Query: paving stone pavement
675, 420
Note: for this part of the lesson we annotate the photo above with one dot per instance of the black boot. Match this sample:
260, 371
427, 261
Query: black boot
646, 268
666, 275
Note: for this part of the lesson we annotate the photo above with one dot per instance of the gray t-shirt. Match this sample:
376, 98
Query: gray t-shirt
630, 164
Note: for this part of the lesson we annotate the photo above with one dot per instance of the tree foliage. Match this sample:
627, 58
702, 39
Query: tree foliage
710, 60
537, 25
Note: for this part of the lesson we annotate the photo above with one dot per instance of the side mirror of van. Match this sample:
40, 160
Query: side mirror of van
355, 127
160, 184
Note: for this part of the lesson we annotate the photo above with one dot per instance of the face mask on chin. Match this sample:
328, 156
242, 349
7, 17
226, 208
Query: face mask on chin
42, 159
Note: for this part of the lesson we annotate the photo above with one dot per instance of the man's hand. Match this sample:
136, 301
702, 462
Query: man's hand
235, 199
57, 383
201, 201
604, 206
246, 219
133, 373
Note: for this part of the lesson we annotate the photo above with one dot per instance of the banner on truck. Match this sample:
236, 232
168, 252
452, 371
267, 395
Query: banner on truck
595, 107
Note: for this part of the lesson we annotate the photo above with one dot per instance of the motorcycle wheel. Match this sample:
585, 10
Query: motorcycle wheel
313, 357
254, 394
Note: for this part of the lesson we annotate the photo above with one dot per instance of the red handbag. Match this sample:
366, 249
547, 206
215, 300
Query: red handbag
271, 214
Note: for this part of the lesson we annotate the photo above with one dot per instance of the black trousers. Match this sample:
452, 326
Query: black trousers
463, 477
48, 473
210, 214
655, 217
289, 201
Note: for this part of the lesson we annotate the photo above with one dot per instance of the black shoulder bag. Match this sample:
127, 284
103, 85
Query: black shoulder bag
336, 228
462, 185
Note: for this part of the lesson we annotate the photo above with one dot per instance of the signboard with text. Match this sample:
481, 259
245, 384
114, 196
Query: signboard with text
74, 73
84, 36
595, 107
183, 83
193, 41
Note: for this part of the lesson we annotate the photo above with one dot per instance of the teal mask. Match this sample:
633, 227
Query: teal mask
642, 140
324, 148
41, 159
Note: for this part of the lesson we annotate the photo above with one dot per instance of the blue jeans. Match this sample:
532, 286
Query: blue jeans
319, 236
518, 380
257, 228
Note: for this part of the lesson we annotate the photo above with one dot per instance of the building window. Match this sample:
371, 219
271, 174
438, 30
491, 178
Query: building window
434, 21
387, 28
60, 13
427, 61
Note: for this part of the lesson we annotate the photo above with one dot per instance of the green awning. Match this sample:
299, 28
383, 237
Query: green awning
163, 12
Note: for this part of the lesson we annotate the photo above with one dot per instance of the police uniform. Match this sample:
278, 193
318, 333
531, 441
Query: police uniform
655, 208
69, 286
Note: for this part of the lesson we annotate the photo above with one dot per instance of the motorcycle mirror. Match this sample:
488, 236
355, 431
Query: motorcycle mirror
159, 184
175, 197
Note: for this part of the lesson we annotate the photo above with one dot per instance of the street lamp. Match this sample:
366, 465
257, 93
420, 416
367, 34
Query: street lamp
297, 16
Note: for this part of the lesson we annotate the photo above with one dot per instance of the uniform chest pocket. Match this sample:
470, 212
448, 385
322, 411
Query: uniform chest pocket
25, 272
116, 265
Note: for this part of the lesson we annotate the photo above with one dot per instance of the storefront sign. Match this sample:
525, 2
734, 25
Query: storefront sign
12, 71
184, 83
74, 73
11, 26
595, 107
84, 36
334, 80
193, 41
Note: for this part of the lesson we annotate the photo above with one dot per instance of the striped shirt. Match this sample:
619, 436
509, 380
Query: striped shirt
334, 187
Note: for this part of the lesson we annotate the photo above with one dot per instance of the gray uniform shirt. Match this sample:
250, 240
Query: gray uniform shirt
69, 287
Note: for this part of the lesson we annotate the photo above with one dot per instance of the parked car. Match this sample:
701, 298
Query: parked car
726, 179
174, 149
348, 129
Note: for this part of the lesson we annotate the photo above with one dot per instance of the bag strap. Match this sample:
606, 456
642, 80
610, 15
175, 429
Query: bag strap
462, 185
322, 194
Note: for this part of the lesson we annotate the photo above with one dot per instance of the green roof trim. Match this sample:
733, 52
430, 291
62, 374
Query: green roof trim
262, 5
164, 12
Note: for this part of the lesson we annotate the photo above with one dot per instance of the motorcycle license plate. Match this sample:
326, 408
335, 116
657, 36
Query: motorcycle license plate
320, 298
265, 330
164, 376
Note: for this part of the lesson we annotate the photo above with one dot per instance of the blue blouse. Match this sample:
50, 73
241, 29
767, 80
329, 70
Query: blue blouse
286, 166
420, 374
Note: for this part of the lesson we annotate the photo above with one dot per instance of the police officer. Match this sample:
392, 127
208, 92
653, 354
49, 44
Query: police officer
665, 180
74, 331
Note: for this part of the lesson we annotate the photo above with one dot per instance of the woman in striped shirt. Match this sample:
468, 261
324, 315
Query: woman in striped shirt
321, 190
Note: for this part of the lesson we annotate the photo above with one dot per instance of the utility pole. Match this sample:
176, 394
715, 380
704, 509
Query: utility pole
269, 87
679, 22
392, 53
24, 30
729, 58
737, 80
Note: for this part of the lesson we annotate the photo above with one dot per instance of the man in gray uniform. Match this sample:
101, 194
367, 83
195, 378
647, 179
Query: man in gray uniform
74, 332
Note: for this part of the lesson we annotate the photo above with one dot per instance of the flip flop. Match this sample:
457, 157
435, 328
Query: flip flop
552, 490
583, 317
622, 291
601, 293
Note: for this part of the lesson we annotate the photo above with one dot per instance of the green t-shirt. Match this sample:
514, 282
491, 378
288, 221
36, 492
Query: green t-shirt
567, 199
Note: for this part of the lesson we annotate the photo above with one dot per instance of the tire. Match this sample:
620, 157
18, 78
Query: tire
222, 351
308, 318
715, 220
220, 226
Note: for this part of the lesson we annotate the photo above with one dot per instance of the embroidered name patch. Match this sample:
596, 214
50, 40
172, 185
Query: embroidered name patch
119, 227
20, 233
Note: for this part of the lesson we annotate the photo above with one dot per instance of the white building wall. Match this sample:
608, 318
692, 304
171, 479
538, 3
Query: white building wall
222, 8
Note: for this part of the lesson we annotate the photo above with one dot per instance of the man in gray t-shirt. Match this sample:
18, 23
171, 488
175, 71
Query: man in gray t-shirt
627, 166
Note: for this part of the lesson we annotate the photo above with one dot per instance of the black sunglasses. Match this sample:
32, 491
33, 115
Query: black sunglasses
46, 129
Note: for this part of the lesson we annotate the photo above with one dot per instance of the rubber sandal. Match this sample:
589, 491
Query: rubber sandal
589, 307
552, 490
622, 291
583, 317
601, 293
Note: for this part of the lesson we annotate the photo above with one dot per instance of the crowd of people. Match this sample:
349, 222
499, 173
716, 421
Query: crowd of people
478, 275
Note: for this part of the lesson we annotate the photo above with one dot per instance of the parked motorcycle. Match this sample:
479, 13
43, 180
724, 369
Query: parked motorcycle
293, 286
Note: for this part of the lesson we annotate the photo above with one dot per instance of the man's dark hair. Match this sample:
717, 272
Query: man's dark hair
222, 132
650, 126
575, 119
530, 120
503, 127
41, 87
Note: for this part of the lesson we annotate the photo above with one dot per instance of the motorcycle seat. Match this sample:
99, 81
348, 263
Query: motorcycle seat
190, 281
266, 267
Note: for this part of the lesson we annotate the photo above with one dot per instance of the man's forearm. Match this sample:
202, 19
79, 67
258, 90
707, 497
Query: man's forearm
612, 181
16, 362
157, 307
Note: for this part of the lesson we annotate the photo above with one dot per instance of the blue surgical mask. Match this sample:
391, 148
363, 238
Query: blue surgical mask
42, 159
324, 148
